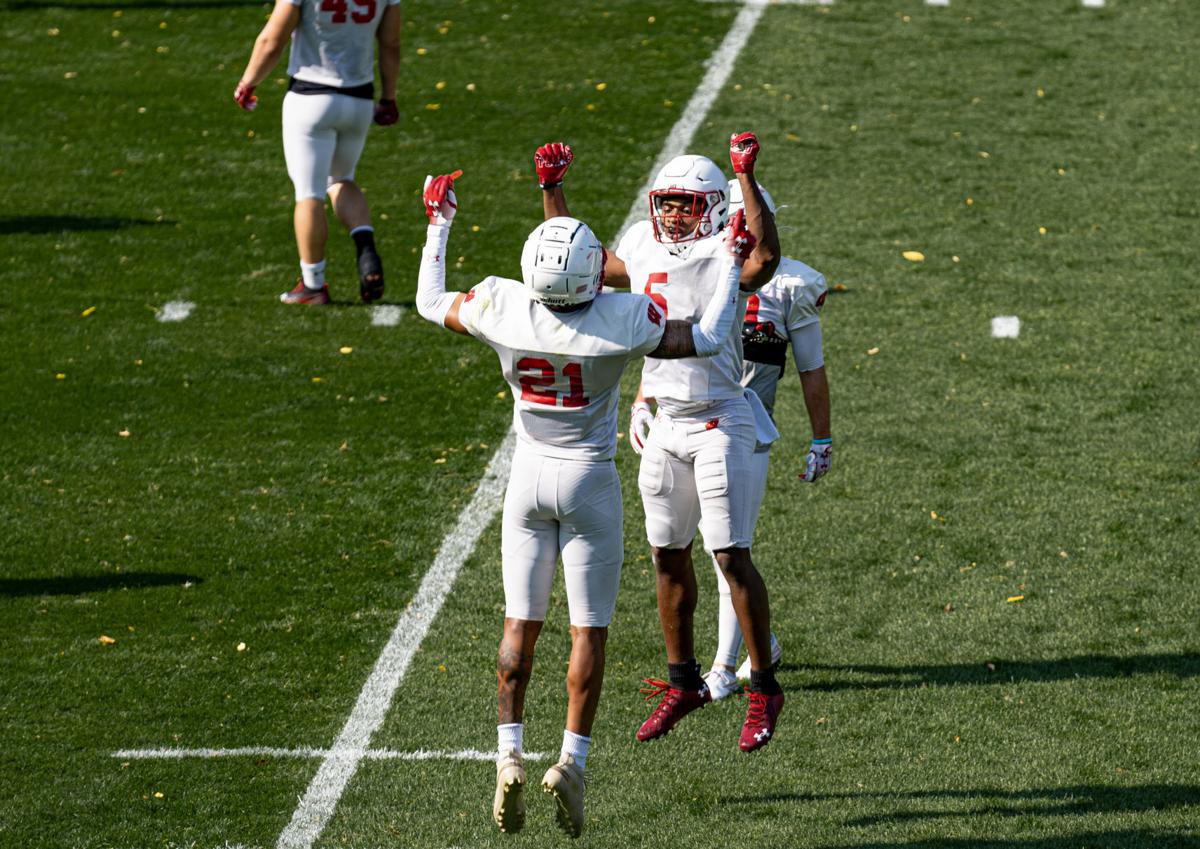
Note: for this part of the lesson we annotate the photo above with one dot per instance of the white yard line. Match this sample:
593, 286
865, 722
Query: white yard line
310, 752
720, 66
342, 760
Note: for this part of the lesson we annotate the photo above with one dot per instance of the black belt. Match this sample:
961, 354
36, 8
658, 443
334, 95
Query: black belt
366, 91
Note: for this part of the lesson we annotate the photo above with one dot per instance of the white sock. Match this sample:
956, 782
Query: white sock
511, 737
729, 633
576, 746
313, 275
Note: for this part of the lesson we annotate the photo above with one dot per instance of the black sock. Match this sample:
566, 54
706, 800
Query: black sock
363, 240
763, 681
685, 676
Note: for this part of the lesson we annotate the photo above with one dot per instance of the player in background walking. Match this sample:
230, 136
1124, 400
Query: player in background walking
326, 113
784, 312
563, 346
695, 470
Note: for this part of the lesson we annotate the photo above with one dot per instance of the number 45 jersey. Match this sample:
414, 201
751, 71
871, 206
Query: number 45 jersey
334, 44
564, 368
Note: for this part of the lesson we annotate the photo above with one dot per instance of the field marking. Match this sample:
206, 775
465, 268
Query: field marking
342, 759
388, 315
175, 311
310, 752
1006, 327
720, 66
1093, 4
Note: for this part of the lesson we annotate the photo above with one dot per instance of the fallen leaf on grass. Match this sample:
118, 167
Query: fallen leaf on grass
1015, 598
913, 256
106, 640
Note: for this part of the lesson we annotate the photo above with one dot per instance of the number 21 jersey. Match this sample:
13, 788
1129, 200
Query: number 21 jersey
564, 368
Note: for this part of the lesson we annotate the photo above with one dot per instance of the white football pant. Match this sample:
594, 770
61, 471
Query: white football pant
696, 472
570, 508
323, 137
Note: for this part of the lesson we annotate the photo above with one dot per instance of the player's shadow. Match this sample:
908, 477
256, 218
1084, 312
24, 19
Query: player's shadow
1132, 838
41, 224
821, 677
81, 584
1068, 801
27, 5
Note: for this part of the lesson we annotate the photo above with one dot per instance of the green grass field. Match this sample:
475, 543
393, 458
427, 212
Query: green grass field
243, 511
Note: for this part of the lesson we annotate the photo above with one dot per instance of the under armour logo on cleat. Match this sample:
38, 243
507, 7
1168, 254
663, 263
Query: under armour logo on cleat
762, 735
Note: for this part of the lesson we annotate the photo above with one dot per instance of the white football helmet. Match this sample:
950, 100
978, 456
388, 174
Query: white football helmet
562, 262
700, 180
735, 197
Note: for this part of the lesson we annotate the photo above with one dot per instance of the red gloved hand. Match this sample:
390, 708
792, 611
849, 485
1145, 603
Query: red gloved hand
740, 241
743, 151
244, 95
386, 113
551, 162
441, 203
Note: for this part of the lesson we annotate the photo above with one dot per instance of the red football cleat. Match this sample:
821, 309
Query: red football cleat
301, 295
760, 721
674, 706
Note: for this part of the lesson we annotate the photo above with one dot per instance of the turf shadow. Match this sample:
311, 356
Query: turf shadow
80, 584
1180, 665
42, 224
1124, 839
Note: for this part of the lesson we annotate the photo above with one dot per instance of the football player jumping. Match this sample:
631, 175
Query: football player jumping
326, 114
563, 345
785, 311
696, 470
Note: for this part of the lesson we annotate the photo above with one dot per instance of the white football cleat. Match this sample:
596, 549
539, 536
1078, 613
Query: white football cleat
721, 683
508, 810
565, 782
743, 672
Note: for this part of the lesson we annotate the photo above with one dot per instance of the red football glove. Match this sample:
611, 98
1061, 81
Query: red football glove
440, 201
386, 113
740, 241
551, 162
743, 151
244, 95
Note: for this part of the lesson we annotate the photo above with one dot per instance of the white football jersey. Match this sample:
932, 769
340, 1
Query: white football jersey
792, 300
564, 368
683, 287
334, 43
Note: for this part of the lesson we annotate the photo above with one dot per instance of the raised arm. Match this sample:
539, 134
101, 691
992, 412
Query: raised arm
551, 162
761, 264
388, 36
268, 47
434, 303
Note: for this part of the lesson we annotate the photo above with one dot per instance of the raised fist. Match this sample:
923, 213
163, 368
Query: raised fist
441, 203
743, 151
244, 95
386, 113
551, 162
740, 241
